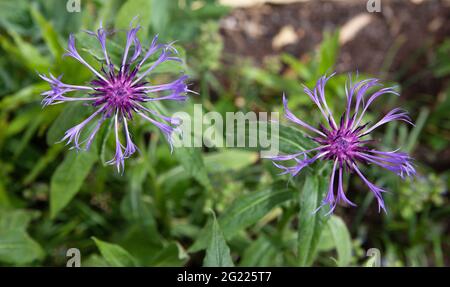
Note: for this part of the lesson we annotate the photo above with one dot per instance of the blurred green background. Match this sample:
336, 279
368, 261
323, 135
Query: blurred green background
238, 59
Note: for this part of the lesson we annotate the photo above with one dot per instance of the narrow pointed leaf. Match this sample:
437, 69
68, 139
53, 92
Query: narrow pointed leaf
310, 224
218, 252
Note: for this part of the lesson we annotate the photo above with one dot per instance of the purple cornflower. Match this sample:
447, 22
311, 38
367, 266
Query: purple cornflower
344, 144
119, 92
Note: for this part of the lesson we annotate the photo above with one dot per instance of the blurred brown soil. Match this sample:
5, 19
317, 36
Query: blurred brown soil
250, 31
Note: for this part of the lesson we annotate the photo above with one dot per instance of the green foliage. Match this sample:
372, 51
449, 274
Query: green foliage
114, 255
16, 245
245, 211
141, 10
310, 221
192, 161
342, 240
68, 178
217, 253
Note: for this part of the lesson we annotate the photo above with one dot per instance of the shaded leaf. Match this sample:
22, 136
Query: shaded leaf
218, 252
192, 161
171, 255
261, 253
68, 178
70, 116
16, 246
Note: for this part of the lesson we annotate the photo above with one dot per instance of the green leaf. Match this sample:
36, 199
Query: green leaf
215, 162
250, 208
135, 8
272, 81
26, 53
68, 178
232, 159
103, 137
210, 11
192, 161
16, 246
135, 207
91, 46
4, 197
70, 116
49, 157
218, 252
115, 255
14, 219
310, 223
160, 14
290, 139
342, 240
414, 134
245, 211
94, 260
171, 255
328, 52
261, 253
49, 34
298, 66
24, 96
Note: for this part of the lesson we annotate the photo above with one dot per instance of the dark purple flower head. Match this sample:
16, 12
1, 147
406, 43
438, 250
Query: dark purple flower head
345, 143
120, 92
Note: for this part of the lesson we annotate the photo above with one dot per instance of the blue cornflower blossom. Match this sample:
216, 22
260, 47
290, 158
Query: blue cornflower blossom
344, 144
120, 93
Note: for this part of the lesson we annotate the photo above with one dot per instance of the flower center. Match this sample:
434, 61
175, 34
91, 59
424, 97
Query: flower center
119, 96
343, 145
118, 93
